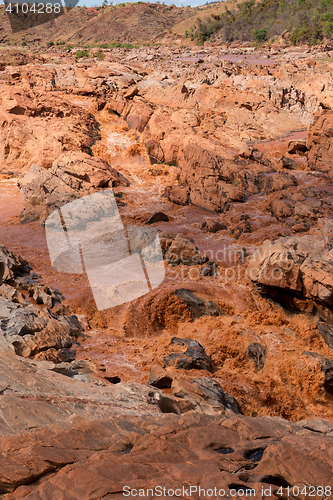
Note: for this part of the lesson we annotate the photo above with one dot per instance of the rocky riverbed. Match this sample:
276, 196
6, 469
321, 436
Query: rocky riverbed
223, 374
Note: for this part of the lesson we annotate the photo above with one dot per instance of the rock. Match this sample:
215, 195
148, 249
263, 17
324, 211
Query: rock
198, 307
159, 377
11, 265
15, 273
212, 226
31, 330
46, 295
282, 208
327, 369
289, 163
257, 353
168, 404
320, 141
193, 358
179, 195
209, 269
138, 113
87, 448
326, 333
45, 124
297, 145
184, 251
213, 390
204, 395
158, 217
302, 227
276, 181
317, 425
305, 210
27, 328
72, 176
13, 295
301, 265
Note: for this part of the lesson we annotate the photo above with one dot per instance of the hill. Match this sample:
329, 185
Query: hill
131, 22
306, 21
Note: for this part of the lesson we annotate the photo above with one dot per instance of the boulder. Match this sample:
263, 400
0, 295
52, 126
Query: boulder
11, 265
257, 353
72, 176
157, 217
183, 250
305, 210
159, 377
28, 328
197, 306
320, 141
212, 226
276, 181
193, 358
326, 332
296, 146
282, 208
211, 180
179, 195
289, 163
204, 395
326, 366
39, 127
31, 330
300, 265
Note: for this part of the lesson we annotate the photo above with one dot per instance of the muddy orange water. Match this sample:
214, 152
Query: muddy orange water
128, 339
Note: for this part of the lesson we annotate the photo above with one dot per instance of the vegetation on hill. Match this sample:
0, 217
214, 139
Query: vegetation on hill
308, 21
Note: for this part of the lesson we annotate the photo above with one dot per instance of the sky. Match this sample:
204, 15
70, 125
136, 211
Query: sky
91, 3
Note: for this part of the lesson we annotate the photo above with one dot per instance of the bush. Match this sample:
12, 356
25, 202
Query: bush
24, 43
328, 28
260, 35
81, 53
50, 44
99, 55
328, 16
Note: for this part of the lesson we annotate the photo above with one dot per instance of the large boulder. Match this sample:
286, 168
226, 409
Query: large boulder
212, 181
320, 141
72, 176
300, 265
193, 358
37, 128
28, 327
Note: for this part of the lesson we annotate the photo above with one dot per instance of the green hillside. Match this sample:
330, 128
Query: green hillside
308, 21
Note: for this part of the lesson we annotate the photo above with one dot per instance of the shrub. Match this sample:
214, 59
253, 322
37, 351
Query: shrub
260, 35
328, 28
81, 53
328, 16
50, 44
99, 55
